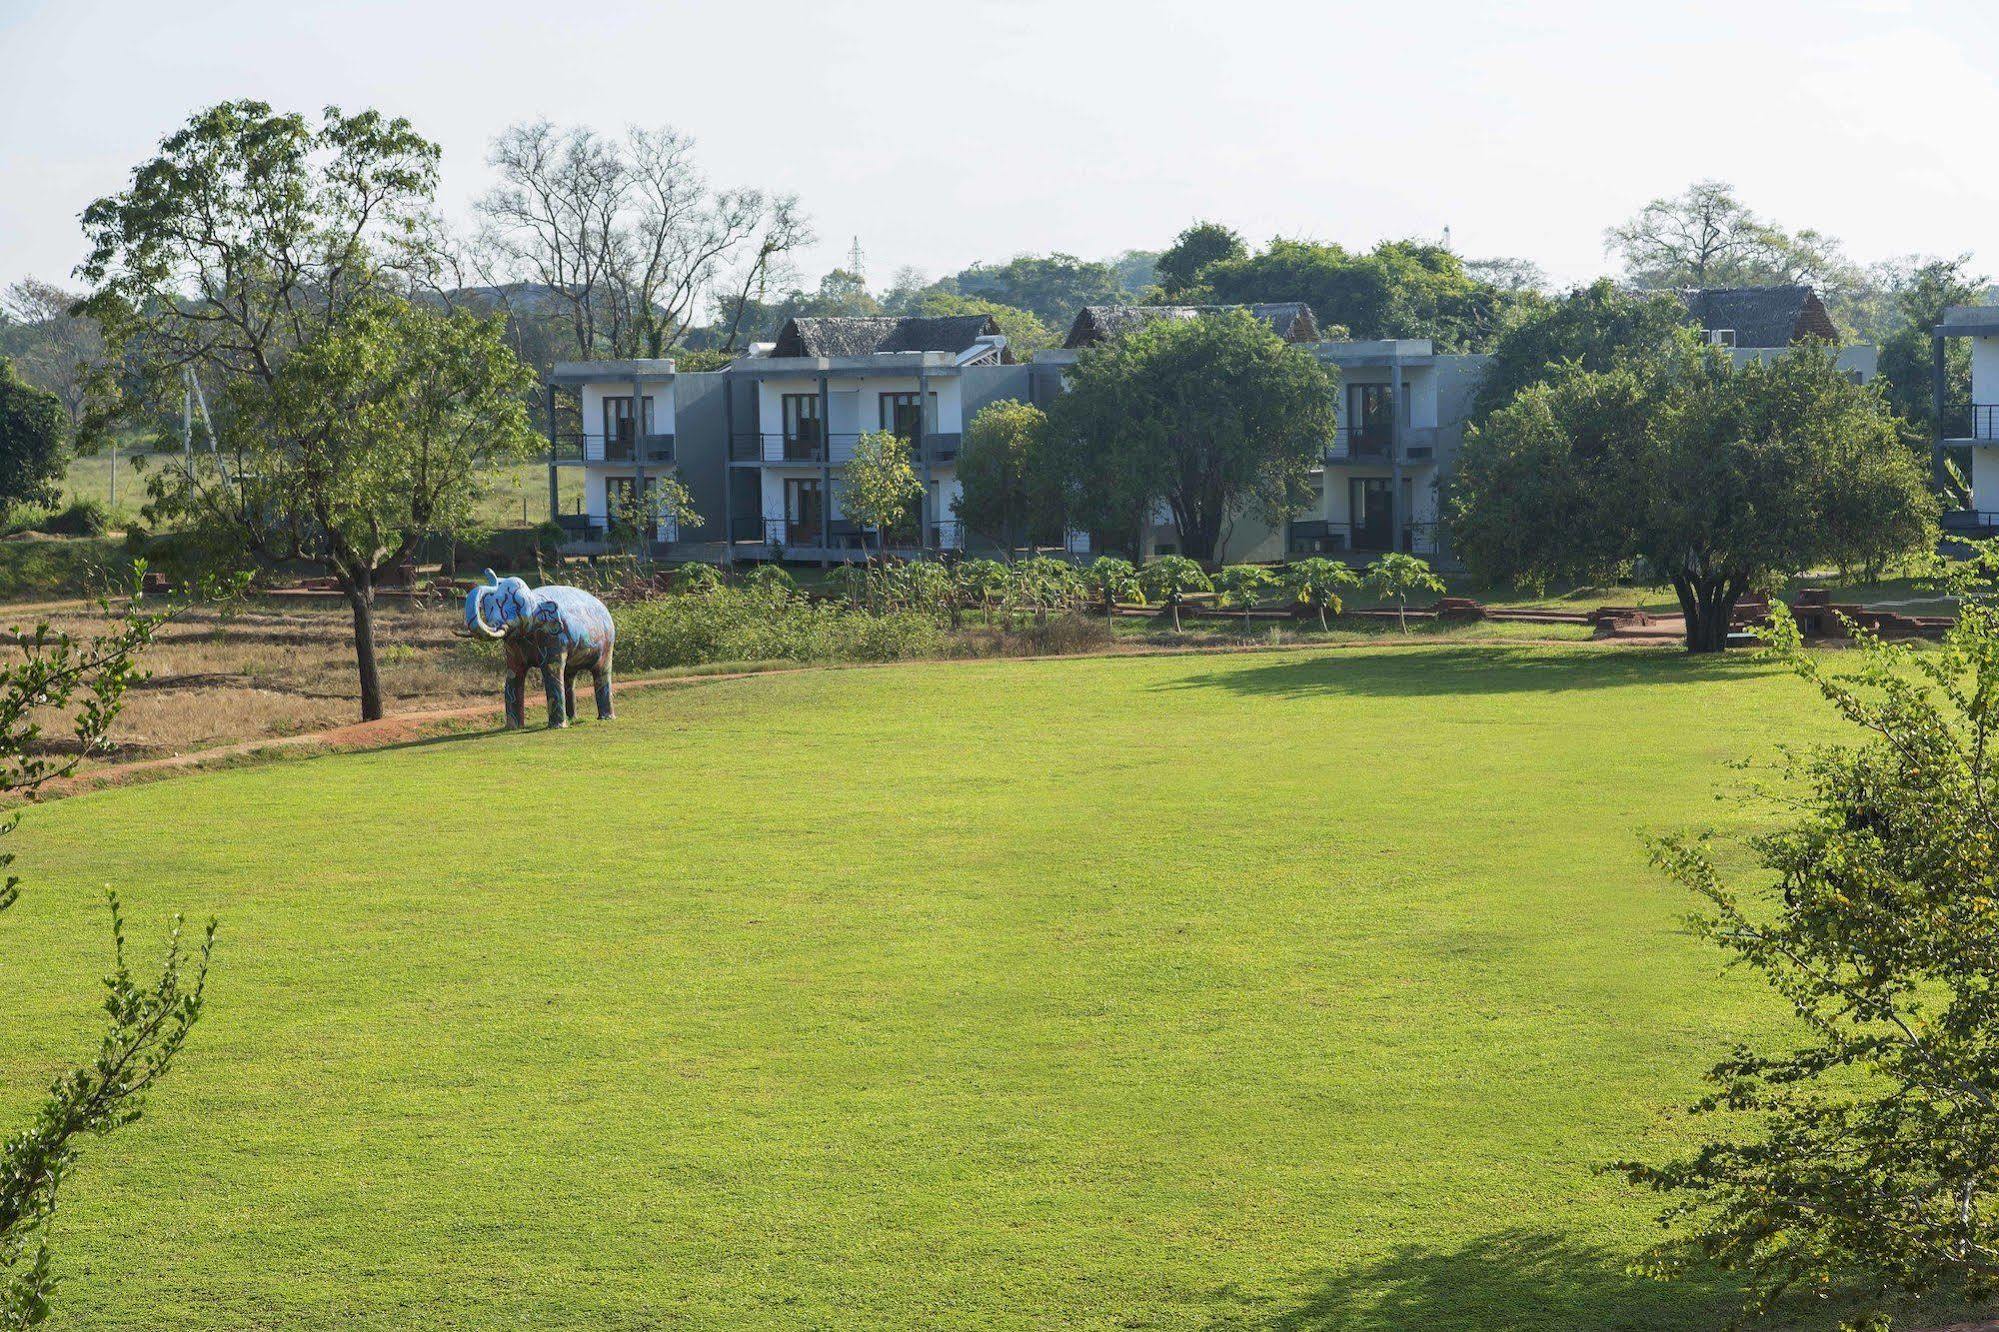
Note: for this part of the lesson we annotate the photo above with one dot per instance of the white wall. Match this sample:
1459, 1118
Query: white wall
1984, 372
659, 393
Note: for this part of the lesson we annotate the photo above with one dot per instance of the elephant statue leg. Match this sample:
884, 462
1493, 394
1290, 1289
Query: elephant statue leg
600, 678
514, 693
569, 692
553, 666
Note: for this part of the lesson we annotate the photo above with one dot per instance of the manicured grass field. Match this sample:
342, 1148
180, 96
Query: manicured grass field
1267, 991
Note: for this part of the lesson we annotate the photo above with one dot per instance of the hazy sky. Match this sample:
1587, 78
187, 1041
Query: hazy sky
940, 133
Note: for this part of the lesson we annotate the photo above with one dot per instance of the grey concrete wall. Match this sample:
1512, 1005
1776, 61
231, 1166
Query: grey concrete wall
701, 448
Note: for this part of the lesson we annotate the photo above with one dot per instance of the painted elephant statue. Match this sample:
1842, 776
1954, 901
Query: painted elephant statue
563, 631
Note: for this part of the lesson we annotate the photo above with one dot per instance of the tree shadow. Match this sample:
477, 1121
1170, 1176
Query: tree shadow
1471, 670
1516, 1279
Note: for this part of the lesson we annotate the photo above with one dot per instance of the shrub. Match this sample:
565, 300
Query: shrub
82, 518
750, 625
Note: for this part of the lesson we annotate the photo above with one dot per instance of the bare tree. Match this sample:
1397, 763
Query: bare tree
1704, 237
626, 236
62, 352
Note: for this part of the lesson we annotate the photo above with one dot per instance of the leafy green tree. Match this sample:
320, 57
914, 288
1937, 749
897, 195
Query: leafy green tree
1395, 576
1400, 289
1053, 286
1111, 580
147, 1021
1919, 299
1854, 1154
880, 486
1136, 271
1593, 327
1721, 479
1170, 578
1316, 584
1004, 484
1703, 237
1025, 333
34, 443
640, 515
365, 440
1211, 417
1180, 265
1241, 586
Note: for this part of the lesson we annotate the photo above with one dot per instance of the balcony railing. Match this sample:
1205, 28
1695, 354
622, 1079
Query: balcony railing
1312, 537
1374, 444
1985, 420
806, 446
793, 534
620, 448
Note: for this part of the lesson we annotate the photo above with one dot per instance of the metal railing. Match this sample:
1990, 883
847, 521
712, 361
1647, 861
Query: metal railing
794, 535
805, 446
1314, 537
1985, 420
1374, 444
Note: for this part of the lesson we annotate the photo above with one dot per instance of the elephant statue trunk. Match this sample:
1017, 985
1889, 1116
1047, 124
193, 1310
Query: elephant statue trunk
563, 631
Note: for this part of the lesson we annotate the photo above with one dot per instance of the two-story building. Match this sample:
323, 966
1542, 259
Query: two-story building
762, 445
1971, 438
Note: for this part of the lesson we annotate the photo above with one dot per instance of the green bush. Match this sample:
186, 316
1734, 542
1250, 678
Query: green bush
766, 624
82, 518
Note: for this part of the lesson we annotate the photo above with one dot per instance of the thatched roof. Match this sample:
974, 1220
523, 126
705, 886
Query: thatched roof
1290, 320
1761, 316
872, 335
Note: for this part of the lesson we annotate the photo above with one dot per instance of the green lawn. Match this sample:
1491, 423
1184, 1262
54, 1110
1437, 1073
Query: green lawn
1271, 991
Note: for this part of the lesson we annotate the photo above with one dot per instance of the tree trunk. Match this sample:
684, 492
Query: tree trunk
361, 596
1708, 605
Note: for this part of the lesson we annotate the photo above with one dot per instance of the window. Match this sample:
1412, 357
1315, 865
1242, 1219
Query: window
1721, 337
801, 426
618, 426
901, 415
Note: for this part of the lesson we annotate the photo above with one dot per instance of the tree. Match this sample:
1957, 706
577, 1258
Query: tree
1394, 576
1240, 586
63, 352
1110, 580
1053, 287
628, 237
1025, 334
34, 443
365, 441
1211, 417
1002, 479
1855, 1154
147, 1022
1170, 578
879, 485
1400, 289
1918, 295
1180, 265
1316, 584
1706, 237
1720, 479
1593, 327
641, 513
1136, 271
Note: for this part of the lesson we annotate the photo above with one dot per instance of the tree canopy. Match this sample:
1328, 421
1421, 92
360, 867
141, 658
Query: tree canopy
1211, 417
1707, 237
34, 442
1005, 492
1052, 287
1593, 327
1720, 478
1179, 267
1399, 289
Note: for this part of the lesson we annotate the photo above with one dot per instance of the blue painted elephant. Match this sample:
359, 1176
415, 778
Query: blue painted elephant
562, 630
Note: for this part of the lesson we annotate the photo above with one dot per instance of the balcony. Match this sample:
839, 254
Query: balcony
1375, 444
843, 539
809, 447
1312, 537
621, 448
1985, 421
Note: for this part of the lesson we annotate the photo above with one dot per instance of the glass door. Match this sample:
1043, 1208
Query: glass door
804, 511
1370, 427
1372, 522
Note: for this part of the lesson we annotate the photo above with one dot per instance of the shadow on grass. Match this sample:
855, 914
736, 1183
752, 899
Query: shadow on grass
1514, 1279
1472, 670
